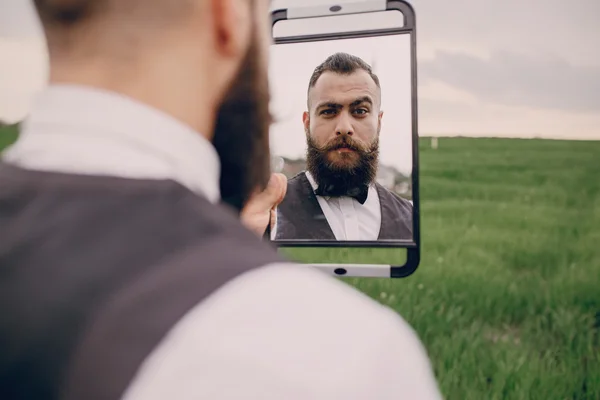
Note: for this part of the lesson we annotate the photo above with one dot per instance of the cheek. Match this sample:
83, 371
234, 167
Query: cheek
367, 129
322, 131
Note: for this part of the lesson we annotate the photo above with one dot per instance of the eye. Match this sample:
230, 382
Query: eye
361, 111
329, 111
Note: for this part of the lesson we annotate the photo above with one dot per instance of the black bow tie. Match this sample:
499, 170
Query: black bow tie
359, 193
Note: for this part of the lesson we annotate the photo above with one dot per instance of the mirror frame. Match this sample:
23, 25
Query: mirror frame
409, 27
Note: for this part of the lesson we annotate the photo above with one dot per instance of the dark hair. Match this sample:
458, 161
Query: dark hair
72, 13
65, 12
341, 63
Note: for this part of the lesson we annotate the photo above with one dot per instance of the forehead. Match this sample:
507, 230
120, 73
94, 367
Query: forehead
343, 88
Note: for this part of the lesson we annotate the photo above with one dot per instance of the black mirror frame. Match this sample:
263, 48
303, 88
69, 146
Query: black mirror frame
412, 247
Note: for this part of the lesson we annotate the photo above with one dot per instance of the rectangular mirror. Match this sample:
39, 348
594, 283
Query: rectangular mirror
343, 99
344, 131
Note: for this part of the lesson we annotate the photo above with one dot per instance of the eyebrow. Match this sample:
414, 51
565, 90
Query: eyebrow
331, 104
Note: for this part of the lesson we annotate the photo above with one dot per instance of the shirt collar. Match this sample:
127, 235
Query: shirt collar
312, 181
86, 130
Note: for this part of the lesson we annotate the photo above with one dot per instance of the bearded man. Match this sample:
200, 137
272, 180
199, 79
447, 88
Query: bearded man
337, 197
124, 275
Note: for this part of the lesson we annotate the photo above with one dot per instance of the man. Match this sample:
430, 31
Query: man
337, 197
122, 275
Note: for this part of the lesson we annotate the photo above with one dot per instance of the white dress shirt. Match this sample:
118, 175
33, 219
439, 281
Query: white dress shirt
90, 131
348, 219
280, 332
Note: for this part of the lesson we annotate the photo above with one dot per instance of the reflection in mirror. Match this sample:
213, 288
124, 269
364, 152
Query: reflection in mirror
343, 129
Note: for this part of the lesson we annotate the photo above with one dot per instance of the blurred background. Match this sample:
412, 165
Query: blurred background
507, 295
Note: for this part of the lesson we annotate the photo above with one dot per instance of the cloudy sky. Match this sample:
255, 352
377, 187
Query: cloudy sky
486, 68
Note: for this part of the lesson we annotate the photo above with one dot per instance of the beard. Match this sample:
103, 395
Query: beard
241, 135
341, 178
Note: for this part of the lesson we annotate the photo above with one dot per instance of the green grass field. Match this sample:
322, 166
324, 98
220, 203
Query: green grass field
8, 134
507, 296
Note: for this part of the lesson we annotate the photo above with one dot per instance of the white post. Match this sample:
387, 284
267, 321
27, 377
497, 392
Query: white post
434, 143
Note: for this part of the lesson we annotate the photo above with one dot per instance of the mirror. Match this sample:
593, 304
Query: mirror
344, 133
343, 100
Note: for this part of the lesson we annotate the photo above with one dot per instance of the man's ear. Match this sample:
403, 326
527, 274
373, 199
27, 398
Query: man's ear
306, 121
379, 122
232, 25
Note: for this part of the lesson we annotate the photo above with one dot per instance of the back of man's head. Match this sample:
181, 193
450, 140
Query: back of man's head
177, 55
101, 28
203, 62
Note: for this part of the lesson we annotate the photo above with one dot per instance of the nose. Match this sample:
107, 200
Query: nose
344, 125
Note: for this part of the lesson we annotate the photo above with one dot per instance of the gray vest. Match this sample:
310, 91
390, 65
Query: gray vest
299, 216
94, 271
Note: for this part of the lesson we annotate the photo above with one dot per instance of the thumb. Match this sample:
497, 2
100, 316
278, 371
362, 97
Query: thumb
271, 196
281, 188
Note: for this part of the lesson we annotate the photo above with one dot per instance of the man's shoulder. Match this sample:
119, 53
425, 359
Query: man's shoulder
297, 179
297, 187
295, 296
284, 278
280, 329
404, 203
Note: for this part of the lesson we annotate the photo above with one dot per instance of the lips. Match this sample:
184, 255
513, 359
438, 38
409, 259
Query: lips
343, 148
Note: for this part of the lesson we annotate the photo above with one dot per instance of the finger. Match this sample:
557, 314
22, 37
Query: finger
267, 198
252, 202
273, 219
273, 194
282, 188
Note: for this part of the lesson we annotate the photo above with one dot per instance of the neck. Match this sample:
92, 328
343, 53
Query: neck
163, 90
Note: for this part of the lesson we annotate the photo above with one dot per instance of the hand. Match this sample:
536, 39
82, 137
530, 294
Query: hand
262, 206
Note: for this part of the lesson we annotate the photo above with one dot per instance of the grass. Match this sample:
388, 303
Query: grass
8, 135
507, 296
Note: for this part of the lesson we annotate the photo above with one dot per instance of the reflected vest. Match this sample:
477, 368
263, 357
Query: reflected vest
94, 271
300, 216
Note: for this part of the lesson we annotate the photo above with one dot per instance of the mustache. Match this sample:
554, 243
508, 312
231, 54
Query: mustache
344, 142
328, 173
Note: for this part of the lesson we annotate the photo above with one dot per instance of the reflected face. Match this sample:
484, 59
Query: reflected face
344, 117
241, 136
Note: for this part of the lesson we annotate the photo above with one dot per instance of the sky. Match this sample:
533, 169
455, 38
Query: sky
485, 68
